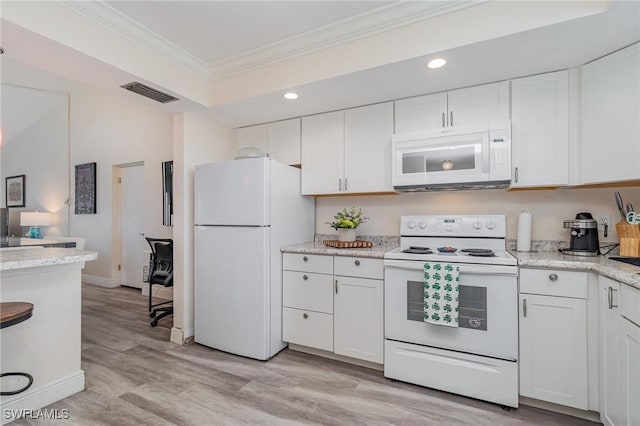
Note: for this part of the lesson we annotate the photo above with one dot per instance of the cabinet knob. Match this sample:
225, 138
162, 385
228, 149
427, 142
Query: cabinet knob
305, 277
305, 258
357, 262
553, 277
305, 315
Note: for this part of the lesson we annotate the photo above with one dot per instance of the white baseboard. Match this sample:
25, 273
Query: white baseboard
593, 416
176, 336
41, 397
100, 281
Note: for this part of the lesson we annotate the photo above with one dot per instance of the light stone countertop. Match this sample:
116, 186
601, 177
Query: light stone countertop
35, 257
619, 271
375, 252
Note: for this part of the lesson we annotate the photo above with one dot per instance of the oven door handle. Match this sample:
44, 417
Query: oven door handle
464, 268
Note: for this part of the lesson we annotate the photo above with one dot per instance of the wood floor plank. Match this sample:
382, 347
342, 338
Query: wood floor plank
135, 376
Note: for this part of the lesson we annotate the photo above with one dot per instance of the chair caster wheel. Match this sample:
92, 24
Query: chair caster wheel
154, 323
152, 314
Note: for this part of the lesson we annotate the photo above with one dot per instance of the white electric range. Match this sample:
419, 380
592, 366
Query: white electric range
479, 358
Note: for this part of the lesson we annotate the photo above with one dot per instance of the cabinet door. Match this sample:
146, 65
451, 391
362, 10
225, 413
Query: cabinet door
367, 148
254, 136
421, 113
479, 104
553, 349
610, 111
284, 141
322, 150
358, 318
540, 130
609, 336
630, 372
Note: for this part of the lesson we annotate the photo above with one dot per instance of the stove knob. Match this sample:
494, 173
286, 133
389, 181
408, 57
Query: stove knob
491, 225
422, 225
411, 225
477, 224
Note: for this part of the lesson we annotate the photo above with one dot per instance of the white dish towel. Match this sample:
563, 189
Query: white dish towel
441, 294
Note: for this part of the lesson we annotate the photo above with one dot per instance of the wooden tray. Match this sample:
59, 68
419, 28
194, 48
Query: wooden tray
348, 244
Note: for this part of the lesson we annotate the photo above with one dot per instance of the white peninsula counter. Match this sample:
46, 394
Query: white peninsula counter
47, 345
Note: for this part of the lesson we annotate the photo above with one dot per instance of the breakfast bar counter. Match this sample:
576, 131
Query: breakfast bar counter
48, 344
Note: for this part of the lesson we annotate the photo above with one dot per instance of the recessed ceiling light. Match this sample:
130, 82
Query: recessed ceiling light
436, 63
290, 95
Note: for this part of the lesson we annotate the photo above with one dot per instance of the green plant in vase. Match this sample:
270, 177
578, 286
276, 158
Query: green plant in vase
346, 221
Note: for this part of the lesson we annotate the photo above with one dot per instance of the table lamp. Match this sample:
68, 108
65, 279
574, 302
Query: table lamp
35, 220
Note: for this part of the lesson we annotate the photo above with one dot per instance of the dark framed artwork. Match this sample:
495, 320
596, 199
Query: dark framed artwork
86, 188
167, 193
14, 188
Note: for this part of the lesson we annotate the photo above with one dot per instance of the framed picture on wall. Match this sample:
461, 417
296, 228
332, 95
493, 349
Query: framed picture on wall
15, 191
85, 188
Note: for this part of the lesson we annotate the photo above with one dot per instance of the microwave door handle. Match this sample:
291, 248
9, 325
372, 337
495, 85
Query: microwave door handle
464, 269
486, 147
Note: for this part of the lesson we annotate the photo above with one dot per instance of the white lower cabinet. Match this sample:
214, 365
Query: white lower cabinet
630, 355
609, 342
341, 313
553, 337
358, 318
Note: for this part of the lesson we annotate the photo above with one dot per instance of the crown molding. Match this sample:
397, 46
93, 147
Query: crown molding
112, 19
376, 21
386, 18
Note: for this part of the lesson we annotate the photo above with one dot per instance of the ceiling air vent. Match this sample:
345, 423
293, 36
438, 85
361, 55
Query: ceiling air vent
149, 92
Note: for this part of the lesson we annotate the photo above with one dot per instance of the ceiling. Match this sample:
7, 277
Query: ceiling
220, 38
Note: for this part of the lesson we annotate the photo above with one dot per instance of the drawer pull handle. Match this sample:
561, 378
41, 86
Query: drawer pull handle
305, 258
357, 262
611, 305
524, 307
336, 286
305, 277
305, 315
553, 277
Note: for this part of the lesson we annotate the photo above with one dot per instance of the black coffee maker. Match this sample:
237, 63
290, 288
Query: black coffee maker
584, 235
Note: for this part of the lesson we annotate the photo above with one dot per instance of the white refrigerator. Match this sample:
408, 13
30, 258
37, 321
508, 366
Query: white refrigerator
245, 210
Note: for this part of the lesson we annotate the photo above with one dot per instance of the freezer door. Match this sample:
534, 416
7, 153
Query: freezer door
233, 193
231, 289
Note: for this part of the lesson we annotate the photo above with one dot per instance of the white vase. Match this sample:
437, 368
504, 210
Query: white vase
346, 234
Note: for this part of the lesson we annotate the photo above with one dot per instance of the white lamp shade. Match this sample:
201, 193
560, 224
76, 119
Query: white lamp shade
35, 219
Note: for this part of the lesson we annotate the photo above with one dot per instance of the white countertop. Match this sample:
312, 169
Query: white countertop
619, 271
42, 256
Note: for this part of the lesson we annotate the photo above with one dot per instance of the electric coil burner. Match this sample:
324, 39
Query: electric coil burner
479, 357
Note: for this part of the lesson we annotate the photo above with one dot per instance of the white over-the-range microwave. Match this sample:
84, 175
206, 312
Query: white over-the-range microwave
453, 158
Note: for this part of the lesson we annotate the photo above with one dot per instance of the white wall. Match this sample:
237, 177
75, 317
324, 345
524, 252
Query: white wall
548, 207
113, 130
35, 144
196, 141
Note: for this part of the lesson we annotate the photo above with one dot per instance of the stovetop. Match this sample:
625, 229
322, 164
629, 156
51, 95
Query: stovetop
478, 239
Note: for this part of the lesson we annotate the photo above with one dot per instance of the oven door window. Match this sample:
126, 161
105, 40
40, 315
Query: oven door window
472, 305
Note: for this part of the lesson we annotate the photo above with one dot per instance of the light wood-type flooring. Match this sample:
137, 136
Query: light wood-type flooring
134, 376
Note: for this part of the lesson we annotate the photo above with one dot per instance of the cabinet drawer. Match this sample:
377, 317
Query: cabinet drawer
307, 263
630, 303
306, 290
307, 328
553, 282
359, 267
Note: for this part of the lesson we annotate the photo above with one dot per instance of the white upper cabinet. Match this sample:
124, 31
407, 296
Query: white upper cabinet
254, 136
540, 130
279, 140
463, 107
611, 117
284, 141
347, 151
322, 153
367, 148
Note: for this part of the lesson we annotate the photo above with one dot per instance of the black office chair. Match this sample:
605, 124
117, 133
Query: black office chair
160, 272
12, 313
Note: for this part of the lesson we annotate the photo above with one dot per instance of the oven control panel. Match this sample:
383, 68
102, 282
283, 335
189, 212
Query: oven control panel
455, 226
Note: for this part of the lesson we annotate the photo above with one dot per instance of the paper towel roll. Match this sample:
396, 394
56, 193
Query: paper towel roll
524, 231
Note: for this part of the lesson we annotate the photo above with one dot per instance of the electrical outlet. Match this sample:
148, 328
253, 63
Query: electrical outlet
604, 220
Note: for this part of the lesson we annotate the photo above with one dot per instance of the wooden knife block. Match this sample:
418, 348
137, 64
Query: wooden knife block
629, 236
